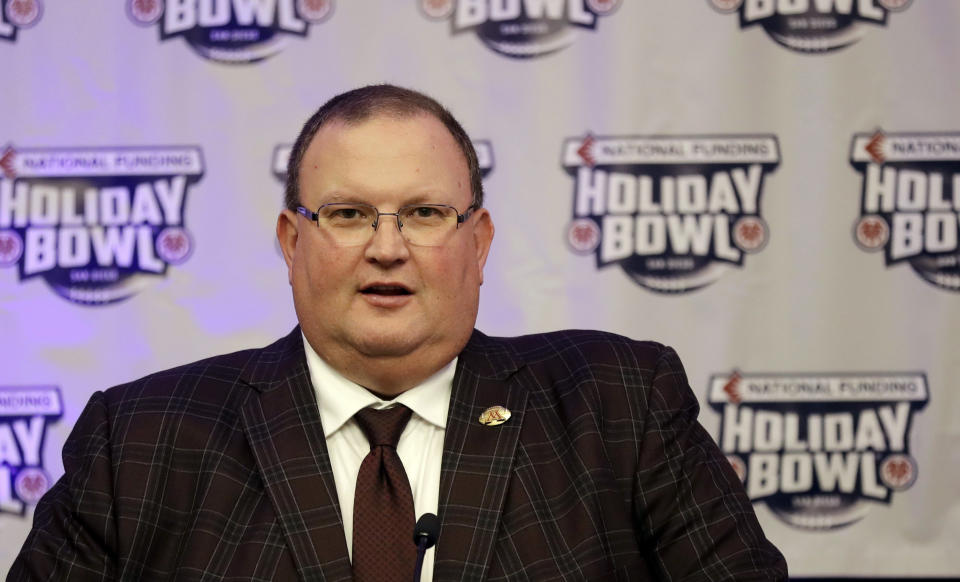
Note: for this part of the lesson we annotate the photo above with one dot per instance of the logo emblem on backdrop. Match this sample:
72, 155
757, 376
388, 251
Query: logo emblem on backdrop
231, 31
96, 223
910, 201
819, 449
281, 155
18, 14
25, 413
521, 28
812, 26
674, 212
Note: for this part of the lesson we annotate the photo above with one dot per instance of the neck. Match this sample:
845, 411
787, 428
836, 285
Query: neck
386, 376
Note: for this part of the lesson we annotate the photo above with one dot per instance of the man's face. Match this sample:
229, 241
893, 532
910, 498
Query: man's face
386, 298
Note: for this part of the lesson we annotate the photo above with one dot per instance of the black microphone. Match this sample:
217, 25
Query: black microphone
425, 535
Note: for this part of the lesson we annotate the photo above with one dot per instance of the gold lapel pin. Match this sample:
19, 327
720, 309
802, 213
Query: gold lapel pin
494, 415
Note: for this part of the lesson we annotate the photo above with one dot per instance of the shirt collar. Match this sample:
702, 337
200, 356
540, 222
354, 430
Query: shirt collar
339, 398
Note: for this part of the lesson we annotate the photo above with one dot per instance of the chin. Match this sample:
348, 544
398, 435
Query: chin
380, 344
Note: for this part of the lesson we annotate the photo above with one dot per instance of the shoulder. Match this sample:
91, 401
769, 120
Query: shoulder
600, 370
224, 370
211, 382
186, 408
578, 348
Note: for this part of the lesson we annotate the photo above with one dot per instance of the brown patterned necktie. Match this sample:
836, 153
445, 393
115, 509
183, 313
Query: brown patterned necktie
383, 517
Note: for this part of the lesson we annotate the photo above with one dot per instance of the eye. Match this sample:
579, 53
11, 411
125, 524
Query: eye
426, 212
346, 213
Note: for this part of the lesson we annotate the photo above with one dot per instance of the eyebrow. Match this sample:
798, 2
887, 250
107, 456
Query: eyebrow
432, 197
338, 197
424, 198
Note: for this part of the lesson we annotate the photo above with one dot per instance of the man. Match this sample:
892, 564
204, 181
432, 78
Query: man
571, 455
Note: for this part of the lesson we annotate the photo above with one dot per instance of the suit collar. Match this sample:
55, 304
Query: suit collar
477, 459
489, 358
277, 363
282, 424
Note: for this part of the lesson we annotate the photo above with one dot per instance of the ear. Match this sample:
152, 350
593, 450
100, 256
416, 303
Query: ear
287, 237
482, 237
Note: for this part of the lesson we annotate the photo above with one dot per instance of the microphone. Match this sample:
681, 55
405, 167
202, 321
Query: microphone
425, 535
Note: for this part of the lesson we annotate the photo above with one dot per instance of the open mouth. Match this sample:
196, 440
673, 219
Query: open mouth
385, 290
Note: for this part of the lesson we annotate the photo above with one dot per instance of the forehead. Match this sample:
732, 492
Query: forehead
384, 154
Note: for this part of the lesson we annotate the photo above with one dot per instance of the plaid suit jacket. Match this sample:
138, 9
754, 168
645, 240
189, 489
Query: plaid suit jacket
218, 470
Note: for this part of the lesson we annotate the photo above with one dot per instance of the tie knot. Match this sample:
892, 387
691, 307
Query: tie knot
383, 427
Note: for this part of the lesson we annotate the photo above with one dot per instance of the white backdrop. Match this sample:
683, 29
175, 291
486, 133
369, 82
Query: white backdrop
768, 186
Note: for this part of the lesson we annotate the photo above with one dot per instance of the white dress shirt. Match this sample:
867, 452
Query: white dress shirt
420, 447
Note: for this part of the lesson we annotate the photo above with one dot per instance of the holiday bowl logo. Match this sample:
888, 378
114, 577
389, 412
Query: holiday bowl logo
812, 26
231, 31
96, 223
819, 449
521, 28
674, 212
18, 14
910, 201
25, 413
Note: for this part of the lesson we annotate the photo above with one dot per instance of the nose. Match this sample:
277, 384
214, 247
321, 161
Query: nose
387, 246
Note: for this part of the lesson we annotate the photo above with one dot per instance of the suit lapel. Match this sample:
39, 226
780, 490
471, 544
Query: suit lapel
282, 424
477, 459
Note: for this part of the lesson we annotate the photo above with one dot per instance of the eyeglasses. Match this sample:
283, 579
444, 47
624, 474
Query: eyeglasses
353, 223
